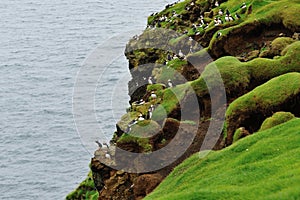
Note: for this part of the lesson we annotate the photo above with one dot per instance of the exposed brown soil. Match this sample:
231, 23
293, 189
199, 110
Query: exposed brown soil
113, 184
241, 41
252, 119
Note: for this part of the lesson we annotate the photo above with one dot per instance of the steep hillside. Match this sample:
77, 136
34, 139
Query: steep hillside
263, 166
205, 74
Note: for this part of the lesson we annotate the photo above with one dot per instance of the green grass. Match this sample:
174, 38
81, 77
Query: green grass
85, 191
262, 166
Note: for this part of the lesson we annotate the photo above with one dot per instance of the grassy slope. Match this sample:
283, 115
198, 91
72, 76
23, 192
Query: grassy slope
262, 166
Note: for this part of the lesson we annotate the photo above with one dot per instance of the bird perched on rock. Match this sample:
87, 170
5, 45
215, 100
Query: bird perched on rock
170, 84
150, 80
106, 145
99, 143
130, 124
191, 50
181, 55
107, 155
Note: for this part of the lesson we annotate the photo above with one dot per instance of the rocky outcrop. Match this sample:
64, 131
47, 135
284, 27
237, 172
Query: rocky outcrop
211, 66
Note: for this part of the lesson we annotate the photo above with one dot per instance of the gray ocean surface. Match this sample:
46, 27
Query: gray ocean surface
42, 46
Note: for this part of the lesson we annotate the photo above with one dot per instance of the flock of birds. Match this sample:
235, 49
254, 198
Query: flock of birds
104, 148
220, 19
141, 102
202, 24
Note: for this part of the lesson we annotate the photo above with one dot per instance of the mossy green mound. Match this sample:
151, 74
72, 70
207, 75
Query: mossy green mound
277, 46
237, 75
261, 100
140, 135
263, 166
276, 119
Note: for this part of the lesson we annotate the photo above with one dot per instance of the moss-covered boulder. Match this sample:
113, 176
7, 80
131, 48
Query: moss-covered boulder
277, 46
138, 139
276, 119
240, 133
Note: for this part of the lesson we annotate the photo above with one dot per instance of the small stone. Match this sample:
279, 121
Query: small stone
120, 172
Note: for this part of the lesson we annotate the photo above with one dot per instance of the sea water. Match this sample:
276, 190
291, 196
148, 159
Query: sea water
42, 47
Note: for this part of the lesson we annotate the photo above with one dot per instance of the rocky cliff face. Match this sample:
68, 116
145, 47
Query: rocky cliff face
249, 44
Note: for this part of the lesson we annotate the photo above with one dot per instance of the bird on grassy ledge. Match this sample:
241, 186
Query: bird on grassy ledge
141, 118
237, 16
153, 95
149, 114
105, 144
220, 12
230, 18
227, 12
139, 102
243, 6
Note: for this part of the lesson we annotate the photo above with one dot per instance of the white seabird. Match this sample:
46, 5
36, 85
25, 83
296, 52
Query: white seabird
220, 12
107, 155
243, 6
180, 54
170, 84
150, 80
141, 118
217, 4
153, 95
105, 144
